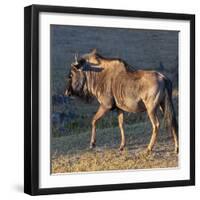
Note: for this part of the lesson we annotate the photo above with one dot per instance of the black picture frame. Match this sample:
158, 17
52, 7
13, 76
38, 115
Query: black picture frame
31, 98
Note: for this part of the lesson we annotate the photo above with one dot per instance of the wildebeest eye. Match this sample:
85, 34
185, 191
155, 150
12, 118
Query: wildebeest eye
81, 61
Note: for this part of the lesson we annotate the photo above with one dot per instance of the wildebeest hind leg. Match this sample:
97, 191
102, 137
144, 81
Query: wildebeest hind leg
120, 121
101, 111
155, 127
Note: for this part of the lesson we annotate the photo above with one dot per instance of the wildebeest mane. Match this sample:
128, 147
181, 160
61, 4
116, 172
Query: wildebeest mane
85, 95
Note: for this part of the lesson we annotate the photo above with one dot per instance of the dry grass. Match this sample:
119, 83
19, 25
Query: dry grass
99, 160
67, 157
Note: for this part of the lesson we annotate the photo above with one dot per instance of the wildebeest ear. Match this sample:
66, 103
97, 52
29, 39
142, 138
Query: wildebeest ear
91, 67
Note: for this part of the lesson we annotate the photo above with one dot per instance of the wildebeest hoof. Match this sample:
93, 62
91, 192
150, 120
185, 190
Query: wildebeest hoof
176, 150
121, 148
92, 145
148, 151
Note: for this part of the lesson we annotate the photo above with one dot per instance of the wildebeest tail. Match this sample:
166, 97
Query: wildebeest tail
169, 112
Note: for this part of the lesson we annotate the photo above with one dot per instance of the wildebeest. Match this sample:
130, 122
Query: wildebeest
117, 86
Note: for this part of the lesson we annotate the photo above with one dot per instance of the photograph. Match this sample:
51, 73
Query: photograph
109, 99
114, 98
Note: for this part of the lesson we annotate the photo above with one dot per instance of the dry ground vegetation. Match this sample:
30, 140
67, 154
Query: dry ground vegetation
109, 158
70, 139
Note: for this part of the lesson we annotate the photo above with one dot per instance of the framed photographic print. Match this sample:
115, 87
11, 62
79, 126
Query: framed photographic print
109, 99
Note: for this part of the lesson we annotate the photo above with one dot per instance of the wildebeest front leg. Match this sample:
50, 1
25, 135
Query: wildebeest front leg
120, 121
101, 111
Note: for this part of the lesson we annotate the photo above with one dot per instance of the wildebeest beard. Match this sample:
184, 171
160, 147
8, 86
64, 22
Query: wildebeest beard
84, 94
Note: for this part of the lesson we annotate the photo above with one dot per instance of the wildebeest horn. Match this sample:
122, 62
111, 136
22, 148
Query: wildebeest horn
76, 58
75, 63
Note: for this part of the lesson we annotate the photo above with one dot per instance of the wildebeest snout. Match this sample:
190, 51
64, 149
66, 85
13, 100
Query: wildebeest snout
67, 92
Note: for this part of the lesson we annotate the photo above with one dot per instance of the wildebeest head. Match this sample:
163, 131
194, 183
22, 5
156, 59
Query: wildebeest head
76, 83
76, 80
